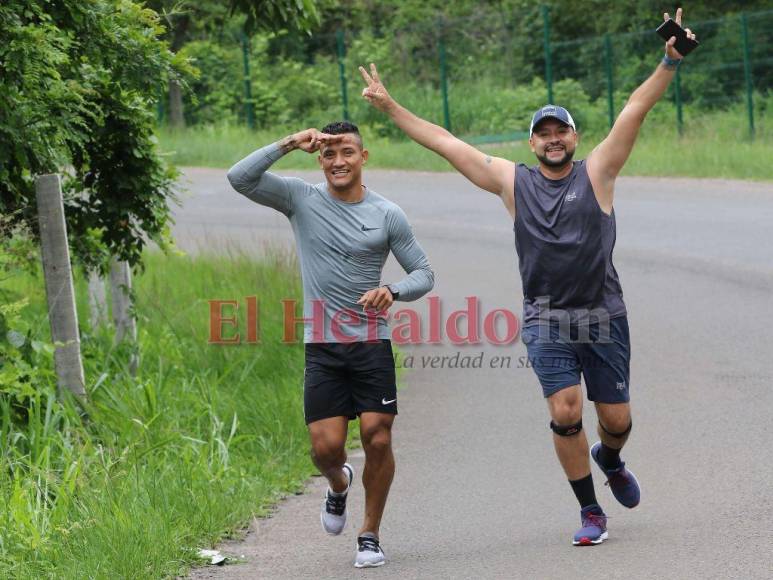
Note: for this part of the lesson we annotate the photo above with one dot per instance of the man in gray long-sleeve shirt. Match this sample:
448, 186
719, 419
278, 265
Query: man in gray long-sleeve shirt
344, 233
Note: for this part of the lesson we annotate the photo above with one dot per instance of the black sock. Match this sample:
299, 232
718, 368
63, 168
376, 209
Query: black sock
609, 457
583, 489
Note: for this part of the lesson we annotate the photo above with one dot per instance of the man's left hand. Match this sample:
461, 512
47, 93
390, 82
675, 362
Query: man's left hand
378, 299
671, 52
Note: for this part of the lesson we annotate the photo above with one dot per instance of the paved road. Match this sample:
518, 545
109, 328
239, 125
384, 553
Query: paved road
478, 490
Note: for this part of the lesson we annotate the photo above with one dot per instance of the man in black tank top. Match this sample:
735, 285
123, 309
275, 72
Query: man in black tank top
574, 320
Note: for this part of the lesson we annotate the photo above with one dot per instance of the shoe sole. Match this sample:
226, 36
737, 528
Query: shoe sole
630, 507
322, 515
369, 565
589, 542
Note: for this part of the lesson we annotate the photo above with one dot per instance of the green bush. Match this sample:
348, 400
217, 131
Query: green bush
216, 94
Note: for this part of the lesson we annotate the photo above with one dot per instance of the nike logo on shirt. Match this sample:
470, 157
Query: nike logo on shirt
367, 229
385, 402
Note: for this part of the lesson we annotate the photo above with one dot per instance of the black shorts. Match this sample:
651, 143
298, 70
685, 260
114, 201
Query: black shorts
344, 380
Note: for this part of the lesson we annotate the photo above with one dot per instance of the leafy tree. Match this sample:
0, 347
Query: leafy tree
77, 81
188, 20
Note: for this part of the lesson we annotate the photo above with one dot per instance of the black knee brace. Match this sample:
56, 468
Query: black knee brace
618, 435
566, 431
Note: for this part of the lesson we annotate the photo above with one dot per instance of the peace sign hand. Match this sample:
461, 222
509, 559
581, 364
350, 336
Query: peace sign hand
375, 93
671, 52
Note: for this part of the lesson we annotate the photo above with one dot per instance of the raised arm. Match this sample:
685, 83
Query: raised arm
251, 177
490, 173
606, 161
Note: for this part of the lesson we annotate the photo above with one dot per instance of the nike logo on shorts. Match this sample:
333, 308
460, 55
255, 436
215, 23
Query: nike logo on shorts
367, 229
385, 402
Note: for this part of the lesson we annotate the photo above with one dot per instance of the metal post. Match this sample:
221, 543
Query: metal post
509, 51
248, 104
444, 77
678, 100
610, 86
548, 57
747, 68
341, 47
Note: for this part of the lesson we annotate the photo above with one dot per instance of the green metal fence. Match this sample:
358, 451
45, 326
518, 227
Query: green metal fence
482, 78
720, 73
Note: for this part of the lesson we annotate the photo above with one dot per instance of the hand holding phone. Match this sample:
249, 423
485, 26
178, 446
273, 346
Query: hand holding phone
685, 40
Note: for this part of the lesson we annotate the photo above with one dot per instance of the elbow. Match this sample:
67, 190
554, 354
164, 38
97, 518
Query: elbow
240, 182
636, 109
234, 178
428, 283
444, 144
430, 279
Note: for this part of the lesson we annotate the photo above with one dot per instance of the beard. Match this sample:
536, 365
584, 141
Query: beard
567, 158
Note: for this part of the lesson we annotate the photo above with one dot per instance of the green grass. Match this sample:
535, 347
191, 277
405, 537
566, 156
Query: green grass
713, 145
169, 461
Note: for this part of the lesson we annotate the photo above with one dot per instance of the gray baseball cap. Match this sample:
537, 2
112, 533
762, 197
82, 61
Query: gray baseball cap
552, 112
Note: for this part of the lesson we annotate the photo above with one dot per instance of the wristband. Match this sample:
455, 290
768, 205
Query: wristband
671, 63
393, 291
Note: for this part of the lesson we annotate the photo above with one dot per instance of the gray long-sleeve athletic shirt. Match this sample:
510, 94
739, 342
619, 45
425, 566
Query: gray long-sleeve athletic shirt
342, 247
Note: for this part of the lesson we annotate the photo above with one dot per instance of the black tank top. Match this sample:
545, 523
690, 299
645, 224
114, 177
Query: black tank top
564, 243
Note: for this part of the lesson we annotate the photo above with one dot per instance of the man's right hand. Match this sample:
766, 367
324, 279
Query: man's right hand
309, 140
375, 93
490, 173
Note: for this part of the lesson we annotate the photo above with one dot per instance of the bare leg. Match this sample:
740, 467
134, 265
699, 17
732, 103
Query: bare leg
376, 434
565, 410
328, 450
616, 418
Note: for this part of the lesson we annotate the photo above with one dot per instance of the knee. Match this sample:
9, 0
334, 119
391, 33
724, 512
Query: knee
567, 412
618, 426
376, 440
326, 451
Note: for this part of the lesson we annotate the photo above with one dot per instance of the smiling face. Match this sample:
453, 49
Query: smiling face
342, 162
553, 142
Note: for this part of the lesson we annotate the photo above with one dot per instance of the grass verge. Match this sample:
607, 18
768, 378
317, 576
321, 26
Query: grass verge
713, 145
168, 461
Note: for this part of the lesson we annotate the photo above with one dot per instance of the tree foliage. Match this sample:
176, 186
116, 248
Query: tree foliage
77, 81
272, 14
207, 20
494, 50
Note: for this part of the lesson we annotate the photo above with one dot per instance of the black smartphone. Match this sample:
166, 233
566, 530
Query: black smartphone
683, 45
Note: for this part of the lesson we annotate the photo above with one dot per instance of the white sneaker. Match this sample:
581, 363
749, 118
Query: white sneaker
369, 553
333, 514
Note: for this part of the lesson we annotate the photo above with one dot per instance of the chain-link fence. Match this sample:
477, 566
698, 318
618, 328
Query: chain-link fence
482, 77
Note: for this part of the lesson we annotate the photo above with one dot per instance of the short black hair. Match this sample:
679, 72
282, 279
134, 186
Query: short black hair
342, 128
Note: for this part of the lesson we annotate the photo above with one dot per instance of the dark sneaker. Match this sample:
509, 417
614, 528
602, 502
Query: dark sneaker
333, 514
369, 554
594, 527
621, 481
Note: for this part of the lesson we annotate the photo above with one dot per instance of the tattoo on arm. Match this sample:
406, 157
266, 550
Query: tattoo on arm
488, 159
287, 144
